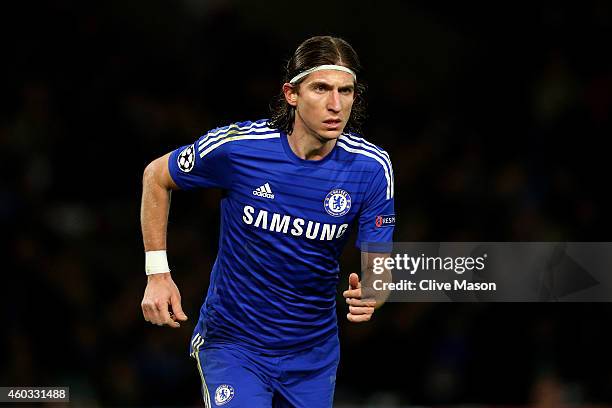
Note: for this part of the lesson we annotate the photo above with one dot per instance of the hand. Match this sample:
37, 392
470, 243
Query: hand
160, 293
359, 310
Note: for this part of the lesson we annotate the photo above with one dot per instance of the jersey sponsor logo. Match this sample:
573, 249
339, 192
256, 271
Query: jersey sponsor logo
337, 202
264, 191
297, 227
385, 221
186, 159
224, 394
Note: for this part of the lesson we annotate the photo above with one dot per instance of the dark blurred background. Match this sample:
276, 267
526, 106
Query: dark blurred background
496, 118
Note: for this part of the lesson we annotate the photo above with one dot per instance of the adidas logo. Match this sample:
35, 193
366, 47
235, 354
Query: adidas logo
264, 191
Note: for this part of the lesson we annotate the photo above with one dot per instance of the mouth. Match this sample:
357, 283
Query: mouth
332, 124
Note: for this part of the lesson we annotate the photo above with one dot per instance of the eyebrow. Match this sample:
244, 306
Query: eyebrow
327, 85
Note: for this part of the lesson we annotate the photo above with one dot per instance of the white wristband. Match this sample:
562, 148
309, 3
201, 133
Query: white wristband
156, 262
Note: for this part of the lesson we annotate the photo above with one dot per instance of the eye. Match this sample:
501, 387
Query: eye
319, 88
346, 91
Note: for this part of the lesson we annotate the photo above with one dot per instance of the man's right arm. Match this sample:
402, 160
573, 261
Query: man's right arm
161, 295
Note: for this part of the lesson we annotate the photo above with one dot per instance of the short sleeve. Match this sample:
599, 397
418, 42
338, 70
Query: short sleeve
201, 165
377, 216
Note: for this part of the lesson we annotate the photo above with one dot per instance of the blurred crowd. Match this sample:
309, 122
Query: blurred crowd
495, 118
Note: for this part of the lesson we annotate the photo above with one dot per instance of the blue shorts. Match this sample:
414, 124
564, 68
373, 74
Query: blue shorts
235, 377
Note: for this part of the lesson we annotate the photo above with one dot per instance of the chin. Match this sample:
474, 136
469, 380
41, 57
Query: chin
330, 134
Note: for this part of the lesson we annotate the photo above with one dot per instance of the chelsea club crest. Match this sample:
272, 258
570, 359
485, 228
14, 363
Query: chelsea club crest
337, 202
224, 394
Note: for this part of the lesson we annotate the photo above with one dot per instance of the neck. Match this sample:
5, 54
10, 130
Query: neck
307, 144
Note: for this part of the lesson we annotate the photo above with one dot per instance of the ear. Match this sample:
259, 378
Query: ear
291, 94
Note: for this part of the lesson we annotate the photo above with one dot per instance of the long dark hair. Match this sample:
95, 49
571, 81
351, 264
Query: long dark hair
315, 51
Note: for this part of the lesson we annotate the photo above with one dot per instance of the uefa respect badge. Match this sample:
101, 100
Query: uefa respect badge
385, 221
337, 202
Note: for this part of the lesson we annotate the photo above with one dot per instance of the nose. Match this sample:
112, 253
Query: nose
333, 103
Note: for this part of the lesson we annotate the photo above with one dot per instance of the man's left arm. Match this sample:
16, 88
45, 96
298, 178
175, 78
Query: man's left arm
375, 240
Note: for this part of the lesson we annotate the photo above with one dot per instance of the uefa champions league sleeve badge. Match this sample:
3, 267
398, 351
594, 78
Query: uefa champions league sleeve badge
337, 202
186, 159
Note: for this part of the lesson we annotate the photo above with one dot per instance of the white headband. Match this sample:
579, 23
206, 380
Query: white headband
319, 68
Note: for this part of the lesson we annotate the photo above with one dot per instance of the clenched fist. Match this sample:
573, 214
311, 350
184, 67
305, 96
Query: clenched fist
360, 310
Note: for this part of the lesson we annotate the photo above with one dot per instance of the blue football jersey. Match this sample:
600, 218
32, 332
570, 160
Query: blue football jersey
284, 222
